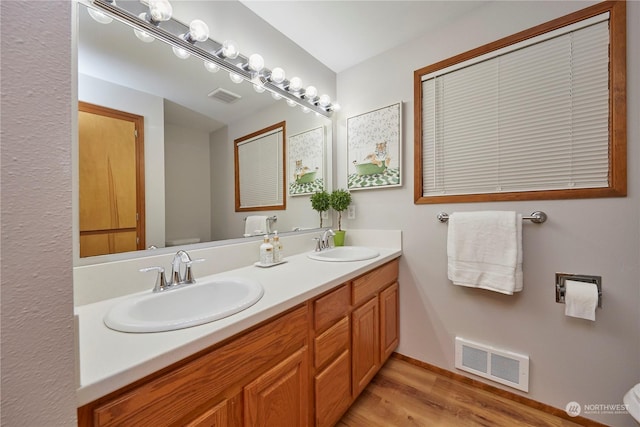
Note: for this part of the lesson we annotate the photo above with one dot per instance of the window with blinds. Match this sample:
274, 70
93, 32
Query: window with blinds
260, 170
531, 119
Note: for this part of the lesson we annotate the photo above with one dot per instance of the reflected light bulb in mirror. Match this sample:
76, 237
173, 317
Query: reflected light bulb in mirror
180, 52
277, 75
236, 78
256, 63
99, 16
258, 88
324, 101
211, 67
291, 103
230, 49
143, 35
335, 106
305, 109
295, 84
311, 93
160, 10
275, 96
198, 31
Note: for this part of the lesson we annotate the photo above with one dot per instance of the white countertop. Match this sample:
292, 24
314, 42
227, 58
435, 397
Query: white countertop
110, 360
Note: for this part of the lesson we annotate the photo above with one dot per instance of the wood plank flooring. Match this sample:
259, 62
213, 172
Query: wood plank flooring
403, 394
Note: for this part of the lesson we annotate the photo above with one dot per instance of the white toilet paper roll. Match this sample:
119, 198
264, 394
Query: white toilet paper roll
581, 299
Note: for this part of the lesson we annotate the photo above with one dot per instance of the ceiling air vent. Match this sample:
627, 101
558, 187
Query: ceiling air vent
224, 95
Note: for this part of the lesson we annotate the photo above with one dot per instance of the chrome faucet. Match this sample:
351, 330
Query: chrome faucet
324, 242
178, 277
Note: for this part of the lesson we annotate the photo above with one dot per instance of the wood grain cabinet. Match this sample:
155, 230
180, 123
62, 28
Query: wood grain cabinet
303, 367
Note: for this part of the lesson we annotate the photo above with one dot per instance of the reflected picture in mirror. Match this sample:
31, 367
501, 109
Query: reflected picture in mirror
191, 117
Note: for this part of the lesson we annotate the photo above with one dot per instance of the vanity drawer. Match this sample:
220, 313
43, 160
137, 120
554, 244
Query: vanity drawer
331, 307
331, 342
370, 283
203, 379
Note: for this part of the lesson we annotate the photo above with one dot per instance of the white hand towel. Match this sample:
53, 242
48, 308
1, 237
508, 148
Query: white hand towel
255, 225
484, 250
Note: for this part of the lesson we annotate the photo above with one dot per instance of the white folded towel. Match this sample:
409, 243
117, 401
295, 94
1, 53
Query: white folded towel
255, 225
484, 250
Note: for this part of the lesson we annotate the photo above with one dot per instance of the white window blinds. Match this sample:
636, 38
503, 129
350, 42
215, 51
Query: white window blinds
261, 170
533, 118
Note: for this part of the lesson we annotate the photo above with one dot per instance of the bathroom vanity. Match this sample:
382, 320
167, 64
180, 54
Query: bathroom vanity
298, 357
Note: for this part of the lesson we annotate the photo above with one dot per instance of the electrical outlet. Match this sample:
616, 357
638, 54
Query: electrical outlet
351, 212
325, 215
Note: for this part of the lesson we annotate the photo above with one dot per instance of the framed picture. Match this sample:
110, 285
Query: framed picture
307, 162
374, 153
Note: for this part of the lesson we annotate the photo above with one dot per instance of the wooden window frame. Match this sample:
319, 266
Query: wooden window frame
236, 159
617, 110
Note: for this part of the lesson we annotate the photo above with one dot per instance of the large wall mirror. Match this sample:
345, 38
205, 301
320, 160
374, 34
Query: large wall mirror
191, 119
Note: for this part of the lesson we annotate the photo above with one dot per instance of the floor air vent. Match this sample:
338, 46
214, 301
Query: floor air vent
224, 95
501, 366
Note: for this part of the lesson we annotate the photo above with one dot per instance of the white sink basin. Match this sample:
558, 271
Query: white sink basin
344, 253
180, 308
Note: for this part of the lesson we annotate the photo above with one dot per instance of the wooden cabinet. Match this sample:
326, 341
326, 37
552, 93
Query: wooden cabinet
303, 367
366, 344
190, 389
279, 397
389, 327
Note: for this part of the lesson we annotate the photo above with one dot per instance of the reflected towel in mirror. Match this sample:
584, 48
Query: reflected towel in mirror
255, 225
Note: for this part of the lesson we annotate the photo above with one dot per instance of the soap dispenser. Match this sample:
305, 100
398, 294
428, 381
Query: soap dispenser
277, 248
266, 251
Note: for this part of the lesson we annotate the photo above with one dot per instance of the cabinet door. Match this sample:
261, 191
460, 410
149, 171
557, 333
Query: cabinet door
333, 391
280, 396
388, 321
366, 344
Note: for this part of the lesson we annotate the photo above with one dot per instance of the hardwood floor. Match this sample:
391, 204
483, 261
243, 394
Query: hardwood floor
403, 394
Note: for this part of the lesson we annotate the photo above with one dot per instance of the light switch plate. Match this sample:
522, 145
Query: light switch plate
351, 212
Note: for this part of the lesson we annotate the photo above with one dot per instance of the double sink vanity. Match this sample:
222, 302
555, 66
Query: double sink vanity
301, 342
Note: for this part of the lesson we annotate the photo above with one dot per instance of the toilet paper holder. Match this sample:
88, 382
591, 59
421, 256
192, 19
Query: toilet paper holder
561, 287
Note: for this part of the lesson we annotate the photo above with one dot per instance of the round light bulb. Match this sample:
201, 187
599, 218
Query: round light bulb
291, 103
160, 10
230, 49
311, 92
143, 36
256, 63
335, 106
277, 75
305, 109
276, 96
180, 52
258, 88
99, 16
295, 84
211, 67
236, 78
198, 30
324, 101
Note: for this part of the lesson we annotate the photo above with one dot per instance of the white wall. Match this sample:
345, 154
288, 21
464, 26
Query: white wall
151, 107
571, 359
38, 385
187, 182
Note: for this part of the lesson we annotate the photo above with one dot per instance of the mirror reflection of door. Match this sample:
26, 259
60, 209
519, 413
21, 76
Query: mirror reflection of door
111, 175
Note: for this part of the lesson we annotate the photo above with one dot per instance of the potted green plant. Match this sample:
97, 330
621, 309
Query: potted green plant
340, 201
321, 202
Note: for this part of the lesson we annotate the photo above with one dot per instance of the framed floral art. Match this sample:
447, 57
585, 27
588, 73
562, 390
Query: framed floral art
374, 152
306, 168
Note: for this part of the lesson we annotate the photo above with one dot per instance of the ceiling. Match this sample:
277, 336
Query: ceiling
343, 33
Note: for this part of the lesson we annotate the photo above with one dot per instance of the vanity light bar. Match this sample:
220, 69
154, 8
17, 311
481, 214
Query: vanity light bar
170, 32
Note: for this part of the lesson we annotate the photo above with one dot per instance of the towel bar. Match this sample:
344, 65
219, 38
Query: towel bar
537, 217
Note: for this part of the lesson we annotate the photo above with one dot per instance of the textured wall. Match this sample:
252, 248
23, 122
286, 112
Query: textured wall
38, 384
571, 359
